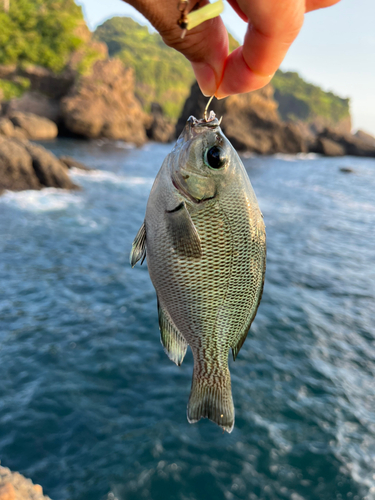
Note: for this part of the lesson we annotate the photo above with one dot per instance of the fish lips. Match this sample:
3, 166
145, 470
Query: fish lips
194, 127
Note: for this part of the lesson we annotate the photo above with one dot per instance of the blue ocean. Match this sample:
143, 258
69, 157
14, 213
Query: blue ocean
91, 408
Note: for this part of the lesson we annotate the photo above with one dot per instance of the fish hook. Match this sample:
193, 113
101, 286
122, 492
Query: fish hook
206, 108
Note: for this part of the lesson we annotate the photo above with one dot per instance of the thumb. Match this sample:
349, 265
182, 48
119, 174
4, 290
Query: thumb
205, 46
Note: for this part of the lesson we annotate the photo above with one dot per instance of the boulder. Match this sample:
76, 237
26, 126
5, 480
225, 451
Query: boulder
26, 166
7, 129
103, 105
364, 136
250, 121
35, 103
327, 147
14, 486
346, 170
351, 144
35, 127
70, 162
161, 128
16, 167
50, 171
42, 80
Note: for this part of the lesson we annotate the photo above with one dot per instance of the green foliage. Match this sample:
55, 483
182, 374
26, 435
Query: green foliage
161, 73
301, 100
39, 32
89, 57
9, 90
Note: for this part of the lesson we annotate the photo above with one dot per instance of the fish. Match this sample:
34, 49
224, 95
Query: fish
205, 243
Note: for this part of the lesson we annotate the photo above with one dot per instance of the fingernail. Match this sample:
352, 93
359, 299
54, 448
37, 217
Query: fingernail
206, 79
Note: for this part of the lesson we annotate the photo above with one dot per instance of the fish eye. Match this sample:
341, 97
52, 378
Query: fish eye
215, 157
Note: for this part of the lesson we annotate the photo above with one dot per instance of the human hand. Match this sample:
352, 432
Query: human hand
272, 27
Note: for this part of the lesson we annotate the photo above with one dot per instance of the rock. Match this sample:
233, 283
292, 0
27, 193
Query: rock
35, 127
26, 166
7, 492
42, 80
346, 170
327, 147
7, 129
16, 167
103, 105
352, 145
161, 128
49, 170
14, 486
72, 163
364, 136
35, 103
250, 121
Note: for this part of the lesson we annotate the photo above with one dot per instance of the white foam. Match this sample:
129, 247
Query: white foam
105, 176
46, 200
295, 157
118, 144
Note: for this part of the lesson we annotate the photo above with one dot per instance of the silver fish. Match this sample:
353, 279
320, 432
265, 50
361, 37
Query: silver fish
206, 253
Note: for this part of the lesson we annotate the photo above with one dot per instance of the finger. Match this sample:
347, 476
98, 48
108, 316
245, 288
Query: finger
205, 46
273, 26
319, 4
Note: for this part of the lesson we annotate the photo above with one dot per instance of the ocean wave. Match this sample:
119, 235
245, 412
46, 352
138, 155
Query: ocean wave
105, 176
46, 200
117, 144
295, 157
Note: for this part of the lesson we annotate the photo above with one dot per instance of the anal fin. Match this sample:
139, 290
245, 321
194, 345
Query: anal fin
173, 342
138, 250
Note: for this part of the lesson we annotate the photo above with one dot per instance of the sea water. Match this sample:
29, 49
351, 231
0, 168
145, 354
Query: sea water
91, 407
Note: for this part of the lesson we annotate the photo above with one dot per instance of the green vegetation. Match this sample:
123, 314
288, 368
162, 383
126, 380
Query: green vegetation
161, 73
10, 90
301, 100
41, 32
47, 32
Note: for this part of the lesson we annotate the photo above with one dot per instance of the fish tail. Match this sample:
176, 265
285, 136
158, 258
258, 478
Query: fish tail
211, 397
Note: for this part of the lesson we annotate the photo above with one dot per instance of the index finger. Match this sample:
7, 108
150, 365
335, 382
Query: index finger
273, 26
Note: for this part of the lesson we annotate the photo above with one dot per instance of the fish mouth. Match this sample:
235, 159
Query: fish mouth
194, 126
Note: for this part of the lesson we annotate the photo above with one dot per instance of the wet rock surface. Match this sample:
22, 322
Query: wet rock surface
251, 121
24, 165
70, 162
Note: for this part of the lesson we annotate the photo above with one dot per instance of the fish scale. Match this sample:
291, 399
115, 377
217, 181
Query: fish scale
205, 241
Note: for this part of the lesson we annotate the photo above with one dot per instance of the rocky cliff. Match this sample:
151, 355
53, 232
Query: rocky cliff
250, 121
102, 104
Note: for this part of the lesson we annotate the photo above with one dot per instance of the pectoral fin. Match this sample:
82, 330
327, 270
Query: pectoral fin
173, 342
138, 250
184, 235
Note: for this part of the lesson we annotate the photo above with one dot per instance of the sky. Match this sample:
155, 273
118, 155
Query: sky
335, 49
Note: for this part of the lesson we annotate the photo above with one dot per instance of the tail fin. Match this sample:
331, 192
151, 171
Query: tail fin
211, 398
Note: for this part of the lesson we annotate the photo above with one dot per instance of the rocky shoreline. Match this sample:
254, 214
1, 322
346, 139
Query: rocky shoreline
14, 486
102, 104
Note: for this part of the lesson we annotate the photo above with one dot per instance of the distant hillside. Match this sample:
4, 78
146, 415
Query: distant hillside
162, 74
301, 100
165, 76
42, 32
